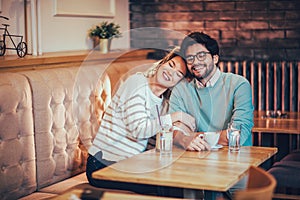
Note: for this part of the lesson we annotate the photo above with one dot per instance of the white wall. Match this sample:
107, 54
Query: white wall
14, 10
62, 33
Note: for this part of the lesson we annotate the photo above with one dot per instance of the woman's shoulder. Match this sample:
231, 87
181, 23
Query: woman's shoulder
136, 79
133, 83
137, 76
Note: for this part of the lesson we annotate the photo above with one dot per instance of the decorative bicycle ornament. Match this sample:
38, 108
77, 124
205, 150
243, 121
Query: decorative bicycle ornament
20, 47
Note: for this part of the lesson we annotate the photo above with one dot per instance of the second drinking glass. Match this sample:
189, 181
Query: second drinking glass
234, 134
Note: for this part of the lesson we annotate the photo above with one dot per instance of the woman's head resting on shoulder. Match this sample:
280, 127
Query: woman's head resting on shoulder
168, 71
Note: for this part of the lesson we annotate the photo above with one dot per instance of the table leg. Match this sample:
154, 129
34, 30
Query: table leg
290, 143
298, 143
227, 195
274, 145
210, 195
193, 194
203, 195
259, 138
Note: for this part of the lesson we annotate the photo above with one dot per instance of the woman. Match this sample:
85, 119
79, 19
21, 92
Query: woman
132, 118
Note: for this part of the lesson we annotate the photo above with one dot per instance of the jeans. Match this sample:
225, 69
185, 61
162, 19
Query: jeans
96, 162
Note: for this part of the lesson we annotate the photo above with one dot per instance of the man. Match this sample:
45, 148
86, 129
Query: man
213, 97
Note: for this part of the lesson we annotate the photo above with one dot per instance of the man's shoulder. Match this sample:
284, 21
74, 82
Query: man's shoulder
228, 76
184, 83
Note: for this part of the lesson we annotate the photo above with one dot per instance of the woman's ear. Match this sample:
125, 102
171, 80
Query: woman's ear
215, 59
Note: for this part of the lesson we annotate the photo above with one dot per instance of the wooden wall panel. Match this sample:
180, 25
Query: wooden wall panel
275, 85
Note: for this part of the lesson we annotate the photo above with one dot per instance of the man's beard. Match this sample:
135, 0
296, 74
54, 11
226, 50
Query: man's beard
207, 72
198, 75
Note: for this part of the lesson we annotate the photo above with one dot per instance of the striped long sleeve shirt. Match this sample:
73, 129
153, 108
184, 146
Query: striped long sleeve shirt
129, 120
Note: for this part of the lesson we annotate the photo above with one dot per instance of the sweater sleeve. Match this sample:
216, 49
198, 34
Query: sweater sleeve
242, 112
176, 101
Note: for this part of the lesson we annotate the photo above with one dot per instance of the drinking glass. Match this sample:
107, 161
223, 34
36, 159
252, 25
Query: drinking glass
164, 140
234, 133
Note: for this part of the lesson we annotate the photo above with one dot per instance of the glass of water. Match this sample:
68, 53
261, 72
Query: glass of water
234, 134
165, 140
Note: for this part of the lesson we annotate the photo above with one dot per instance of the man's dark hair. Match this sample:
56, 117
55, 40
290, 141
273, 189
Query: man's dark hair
201, 38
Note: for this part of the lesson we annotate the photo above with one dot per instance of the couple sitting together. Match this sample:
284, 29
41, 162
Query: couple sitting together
202, 99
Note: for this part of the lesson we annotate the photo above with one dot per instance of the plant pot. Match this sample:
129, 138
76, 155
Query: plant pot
104, 45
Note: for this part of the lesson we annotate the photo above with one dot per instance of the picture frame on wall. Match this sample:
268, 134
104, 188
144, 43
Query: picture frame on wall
80, 8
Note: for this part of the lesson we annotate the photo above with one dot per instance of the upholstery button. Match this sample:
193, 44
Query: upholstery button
3, 167
19, 136
19, 106
21, 162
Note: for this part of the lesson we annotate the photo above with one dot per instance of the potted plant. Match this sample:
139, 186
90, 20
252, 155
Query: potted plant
103, 33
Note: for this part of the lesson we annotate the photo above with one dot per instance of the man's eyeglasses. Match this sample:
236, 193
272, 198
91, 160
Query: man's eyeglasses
200, 56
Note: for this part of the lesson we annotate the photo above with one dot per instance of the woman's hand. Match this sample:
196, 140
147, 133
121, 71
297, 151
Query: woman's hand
184, 118
182, 127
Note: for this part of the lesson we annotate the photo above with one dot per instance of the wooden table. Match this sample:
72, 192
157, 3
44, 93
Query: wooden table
209, 170
286, 125
289, 124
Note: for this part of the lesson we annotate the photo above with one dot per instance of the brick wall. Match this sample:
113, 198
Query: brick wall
245, 29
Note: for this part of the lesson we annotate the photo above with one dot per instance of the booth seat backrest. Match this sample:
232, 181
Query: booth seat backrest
17, 153
67, 106
118, 72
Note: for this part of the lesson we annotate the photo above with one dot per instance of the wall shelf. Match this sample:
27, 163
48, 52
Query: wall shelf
68, 58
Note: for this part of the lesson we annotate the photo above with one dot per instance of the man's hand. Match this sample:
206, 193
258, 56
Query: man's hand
192, 142
198, 144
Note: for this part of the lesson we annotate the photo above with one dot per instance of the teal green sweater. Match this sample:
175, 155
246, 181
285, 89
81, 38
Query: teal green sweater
229, 100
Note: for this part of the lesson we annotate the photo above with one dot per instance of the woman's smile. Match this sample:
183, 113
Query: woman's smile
166, 76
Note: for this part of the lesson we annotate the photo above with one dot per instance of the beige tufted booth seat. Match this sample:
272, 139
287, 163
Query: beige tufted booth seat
17, 151
48, 119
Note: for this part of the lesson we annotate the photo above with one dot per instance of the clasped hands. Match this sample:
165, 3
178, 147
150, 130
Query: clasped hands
191, 140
